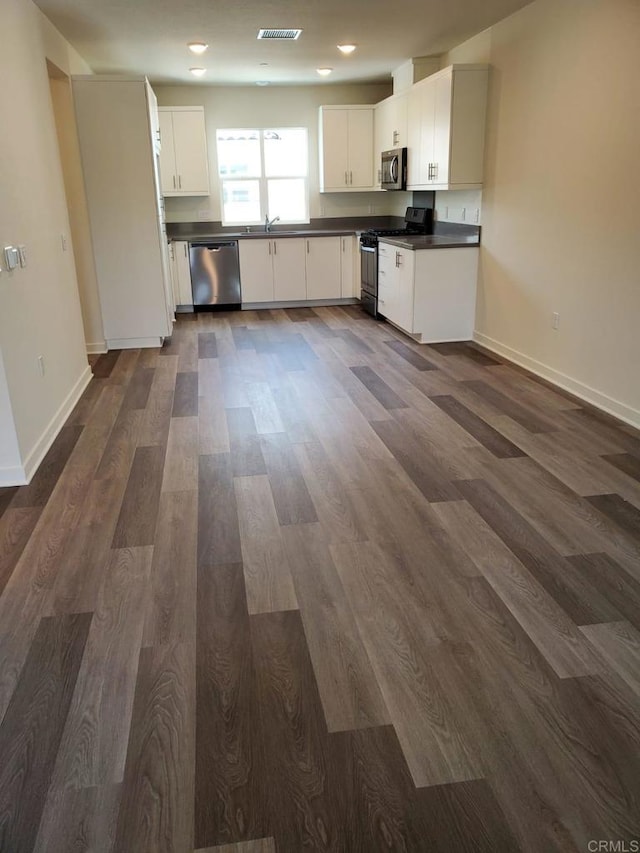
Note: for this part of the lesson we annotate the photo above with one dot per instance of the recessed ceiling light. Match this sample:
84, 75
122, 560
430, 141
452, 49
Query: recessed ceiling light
346, 48
198, 72
197, 46
262, 82
323, 72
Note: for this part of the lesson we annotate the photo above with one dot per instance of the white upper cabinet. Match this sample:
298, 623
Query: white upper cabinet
390, 128
346, 148
446, 125
184, 163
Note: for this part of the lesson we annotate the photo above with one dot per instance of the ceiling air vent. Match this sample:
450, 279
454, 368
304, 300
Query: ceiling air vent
281, 34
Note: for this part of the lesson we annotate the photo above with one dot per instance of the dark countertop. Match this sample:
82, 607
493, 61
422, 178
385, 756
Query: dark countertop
193, 237
434, 241
448, 235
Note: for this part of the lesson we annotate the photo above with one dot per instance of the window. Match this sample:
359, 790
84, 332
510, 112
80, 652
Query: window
263, 173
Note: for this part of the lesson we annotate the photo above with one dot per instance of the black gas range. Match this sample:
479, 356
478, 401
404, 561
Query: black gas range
418, 220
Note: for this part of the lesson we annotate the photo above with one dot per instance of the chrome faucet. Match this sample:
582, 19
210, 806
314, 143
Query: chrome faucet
269, 222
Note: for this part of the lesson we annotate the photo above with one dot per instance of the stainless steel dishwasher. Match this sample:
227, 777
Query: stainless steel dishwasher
215, 274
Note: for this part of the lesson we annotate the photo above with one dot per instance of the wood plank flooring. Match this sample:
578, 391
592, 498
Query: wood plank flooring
294, 582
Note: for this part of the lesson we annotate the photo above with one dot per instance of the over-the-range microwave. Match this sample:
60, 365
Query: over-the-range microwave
394, 169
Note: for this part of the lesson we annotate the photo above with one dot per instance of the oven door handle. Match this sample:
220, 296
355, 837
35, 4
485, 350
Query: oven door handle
368, 249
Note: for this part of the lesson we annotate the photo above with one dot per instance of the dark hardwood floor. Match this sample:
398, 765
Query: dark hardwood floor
294, 582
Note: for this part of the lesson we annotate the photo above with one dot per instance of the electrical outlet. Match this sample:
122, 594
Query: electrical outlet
556, 320
41, 364
22, 252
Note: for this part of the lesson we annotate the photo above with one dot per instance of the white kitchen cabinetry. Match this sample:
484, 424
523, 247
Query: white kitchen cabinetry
181, 274
390, 128
396, 285
429, 293
184, 164
272, 270
323, 267
349, 277
114, 122
445, 129
346, 148
296, 269
289, 278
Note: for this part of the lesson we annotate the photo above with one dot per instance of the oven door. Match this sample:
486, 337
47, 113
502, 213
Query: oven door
369, 270
369, 279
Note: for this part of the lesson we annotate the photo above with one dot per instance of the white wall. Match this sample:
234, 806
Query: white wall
561, 200
287, 106
39, 305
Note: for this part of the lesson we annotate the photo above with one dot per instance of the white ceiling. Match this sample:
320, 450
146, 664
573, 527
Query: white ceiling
149, 36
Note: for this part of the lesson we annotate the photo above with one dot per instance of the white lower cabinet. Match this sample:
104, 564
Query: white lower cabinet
272, 270
323, 266
296, 269
289, 280
181, 274
349, 276
429, 293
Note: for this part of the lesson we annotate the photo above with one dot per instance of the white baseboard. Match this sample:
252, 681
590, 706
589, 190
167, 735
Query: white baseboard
590, 395
300, 303
38, 452
96, 348
13, 476
134, 343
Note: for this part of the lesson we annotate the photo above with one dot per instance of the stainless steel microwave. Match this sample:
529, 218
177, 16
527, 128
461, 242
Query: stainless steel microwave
394, 169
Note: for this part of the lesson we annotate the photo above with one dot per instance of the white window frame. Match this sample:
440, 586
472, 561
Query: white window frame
263, 180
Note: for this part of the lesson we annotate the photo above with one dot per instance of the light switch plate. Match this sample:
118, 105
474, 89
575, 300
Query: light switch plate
11, 257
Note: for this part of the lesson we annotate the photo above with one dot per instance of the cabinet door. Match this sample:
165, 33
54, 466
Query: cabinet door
361, 148
399, 116
173, 272
323, 267
289, 281
335, 136
348, 276
414, 134
183, 272
442, 128
256, 270
167, 153
192, 167
403, 303
387, 284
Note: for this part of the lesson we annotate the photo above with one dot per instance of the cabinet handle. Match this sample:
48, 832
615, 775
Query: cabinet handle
174, 182
307, 247
179, 181
275, 248
351, 178
269, 246
397, 259
343, 245
346, 178
185, 250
